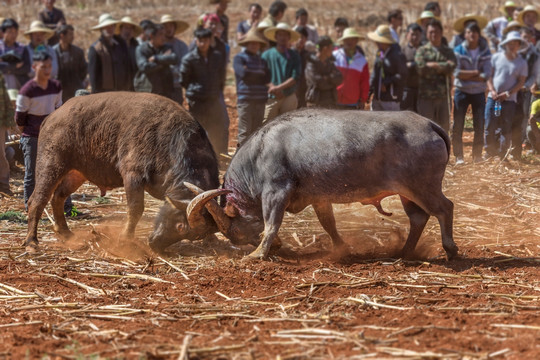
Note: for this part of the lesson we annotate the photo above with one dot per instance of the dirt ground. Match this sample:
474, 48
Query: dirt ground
99, 297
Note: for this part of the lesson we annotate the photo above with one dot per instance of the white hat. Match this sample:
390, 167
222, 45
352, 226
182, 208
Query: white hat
127, 20
350, 33
528, 8
104, 21
512, 36
181, 26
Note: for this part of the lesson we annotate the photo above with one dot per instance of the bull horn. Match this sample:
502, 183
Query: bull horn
194, 210
194, 188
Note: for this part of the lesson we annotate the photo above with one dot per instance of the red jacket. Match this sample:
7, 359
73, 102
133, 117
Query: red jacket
355, 85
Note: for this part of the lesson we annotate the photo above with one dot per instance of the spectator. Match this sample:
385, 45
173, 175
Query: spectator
353, 92
175, 27
513, 25
435, 63
389, 72
203, 75
460, 25
38, 35
128, 30
524, 95
255, 11
154, 59
276, 12
410, 92
108, 59
72, 66
252, 76
472, 71
286, 69
529, 17
339, 26
221, 8
533, 128
395, 22
6, 122
146, 24
37, 99
494, 29
322, 76
434, 7
508, 74
302, 21
425, 18
301, 48
15, 59
53, 18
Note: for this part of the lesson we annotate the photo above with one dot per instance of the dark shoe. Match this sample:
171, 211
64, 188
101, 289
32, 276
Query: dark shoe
74, 213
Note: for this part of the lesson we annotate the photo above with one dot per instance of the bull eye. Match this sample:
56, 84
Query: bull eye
182, 228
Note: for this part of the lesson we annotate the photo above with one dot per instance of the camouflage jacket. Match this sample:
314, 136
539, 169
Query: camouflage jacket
433, 83
6, 109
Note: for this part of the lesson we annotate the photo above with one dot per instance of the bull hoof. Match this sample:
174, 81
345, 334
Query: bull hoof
255, 256
31, 247
451, 251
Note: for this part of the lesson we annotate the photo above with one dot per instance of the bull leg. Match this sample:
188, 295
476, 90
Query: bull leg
46, 182
274, 205
135, 204
325, 214
418, 219
71, 182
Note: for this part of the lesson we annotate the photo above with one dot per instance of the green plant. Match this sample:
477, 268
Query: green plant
11, 215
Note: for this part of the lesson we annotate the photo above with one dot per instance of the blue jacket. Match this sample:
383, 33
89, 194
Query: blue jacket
466, 62
252, 74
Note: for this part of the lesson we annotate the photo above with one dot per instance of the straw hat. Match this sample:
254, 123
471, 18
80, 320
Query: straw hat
528, 8
508, 4
104, 21
38, 26
382, 35
253, 36
350, 33
181, 26
270, 33
514, 35
513, 25
127, 20
459, 24
264, 24
426, 15
12, 93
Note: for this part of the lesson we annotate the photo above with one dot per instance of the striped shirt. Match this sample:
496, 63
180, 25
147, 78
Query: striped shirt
34, 104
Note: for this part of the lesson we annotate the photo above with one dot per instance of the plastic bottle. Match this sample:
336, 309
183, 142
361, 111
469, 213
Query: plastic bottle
497, 109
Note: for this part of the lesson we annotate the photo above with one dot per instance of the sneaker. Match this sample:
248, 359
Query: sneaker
460, 161
74, 213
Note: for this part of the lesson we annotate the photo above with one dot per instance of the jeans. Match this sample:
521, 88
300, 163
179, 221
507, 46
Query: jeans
250, 118
497, 146
29, 146
462, 101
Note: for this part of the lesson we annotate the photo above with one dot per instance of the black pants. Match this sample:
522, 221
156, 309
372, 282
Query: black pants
210, 113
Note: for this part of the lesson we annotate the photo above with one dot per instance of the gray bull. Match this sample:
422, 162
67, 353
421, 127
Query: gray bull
320, 157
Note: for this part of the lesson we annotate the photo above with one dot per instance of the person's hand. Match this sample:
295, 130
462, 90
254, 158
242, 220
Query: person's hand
152, 59
503, 96
168, 52
494, 95
19, 65
433, 65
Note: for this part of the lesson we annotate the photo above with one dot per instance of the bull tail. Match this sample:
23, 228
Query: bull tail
439, 130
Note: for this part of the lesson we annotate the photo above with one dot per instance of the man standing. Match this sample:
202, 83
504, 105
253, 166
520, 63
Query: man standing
494, 29
53, 18
38, 35
255, 11
389, 72
175, 27
353, 92
6, 122
128, 30
395, 22
154, 59
435, 63
15, 59
472, 71
72, 67
203, 75
529, 17
302, 21
410, 93
221, 8
508, 74
286, 68
252, 76
108, 59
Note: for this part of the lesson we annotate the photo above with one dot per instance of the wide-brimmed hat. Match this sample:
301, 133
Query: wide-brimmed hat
426, 15
508, 4
38, 26
513, 25
270, 33
350, 33
104, 21
264, 24
382, 35
181, 26
514, 35
528, 8
253, 36
459, 24
127, 20
12, 94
